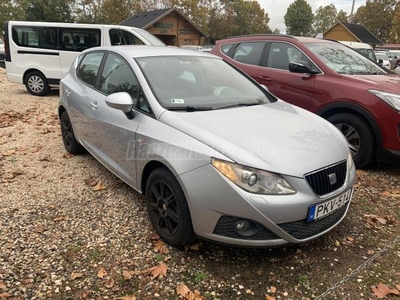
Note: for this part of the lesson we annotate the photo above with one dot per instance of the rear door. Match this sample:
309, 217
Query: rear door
294, 88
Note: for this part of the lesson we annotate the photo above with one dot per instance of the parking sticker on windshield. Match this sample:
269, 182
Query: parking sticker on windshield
177, 101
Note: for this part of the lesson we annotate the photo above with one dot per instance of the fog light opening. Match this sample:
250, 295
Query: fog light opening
246, 228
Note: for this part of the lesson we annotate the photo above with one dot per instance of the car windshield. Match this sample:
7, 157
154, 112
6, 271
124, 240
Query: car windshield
201, 83
344, 60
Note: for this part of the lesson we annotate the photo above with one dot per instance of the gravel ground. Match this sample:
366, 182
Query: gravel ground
69, 229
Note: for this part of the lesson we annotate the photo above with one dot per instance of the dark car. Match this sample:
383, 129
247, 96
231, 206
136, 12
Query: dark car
360, 98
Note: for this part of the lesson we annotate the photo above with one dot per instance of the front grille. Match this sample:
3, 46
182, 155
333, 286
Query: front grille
302, 230
321, 183
226, 227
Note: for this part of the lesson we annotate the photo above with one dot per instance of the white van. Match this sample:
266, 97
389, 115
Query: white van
362, 48
39, 54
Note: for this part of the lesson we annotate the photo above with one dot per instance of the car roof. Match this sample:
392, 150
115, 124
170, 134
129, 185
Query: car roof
147, 51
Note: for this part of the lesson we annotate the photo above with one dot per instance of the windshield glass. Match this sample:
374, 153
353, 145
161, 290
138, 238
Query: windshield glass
344, 60
200, 82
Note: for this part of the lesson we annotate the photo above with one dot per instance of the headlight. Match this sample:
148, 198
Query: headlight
392, 99
253, 180
350, 162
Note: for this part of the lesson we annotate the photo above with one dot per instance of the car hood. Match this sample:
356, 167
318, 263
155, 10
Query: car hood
390, 83
277, 137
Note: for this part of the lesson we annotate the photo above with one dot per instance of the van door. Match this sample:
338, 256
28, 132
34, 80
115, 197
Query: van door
72, 41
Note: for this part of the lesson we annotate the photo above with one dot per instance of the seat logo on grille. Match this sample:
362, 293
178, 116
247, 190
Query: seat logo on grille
332, 178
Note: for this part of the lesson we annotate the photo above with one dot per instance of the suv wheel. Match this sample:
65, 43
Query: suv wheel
359, 136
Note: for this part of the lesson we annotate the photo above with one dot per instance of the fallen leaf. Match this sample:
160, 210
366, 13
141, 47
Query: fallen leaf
127, 274
8, 153
153, 236
3, 286
195, 246
273, 289
99, 187
109, 283
101, 273
350, 239
5, 295
90, 182
67, 155
386, 193
337, 243
182, 290
161, 247
398, 286
128, 297
158, 271
62, 218
267, 297
382, 290
76, 275
40, 228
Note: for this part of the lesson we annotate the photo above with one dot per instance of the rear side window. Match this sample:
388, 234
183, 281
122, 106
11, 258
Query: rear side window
35, 36
225, 48
89, 67
249, 53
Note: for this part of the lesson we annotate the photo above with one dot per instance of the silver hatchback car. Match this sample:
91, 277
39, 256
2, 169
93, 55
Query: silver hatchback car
215, 154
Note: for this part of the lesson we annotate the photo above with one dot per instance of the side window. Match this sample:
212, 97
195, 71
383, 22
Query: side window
225, 48
281, 54
79, 39
117, 77
89, 67
249, 53
123, 37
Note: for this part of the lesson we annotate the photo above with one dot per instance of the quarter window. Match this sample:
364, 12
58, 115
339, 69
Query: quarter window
122, 37
249, 53
89, 67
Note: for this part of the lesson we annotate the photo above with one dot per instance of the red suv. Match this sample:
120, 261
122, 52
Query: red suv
330, 79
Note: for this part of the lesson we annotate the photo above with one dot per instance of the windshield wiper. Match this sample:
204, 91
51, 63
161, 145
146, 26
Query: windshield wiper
241, 104
190, 108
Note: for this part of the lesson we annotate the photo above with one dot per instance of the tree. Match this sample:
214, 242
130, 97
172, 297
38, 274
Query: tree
11, 10
48, 11
299, 18
377, 17
342, 16
325, 18
394, 34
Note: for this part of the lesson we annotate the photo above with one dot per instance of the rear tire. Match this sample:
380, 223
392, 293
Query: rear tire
68, 136
359, 136
36, 84
168, 209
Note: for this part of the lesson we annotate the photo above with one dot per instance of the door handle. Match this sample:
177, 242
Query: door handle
67, 92
93, 104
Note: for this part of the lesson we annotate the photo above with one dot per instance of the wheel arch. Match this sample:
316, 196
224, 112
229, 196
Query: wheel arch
61, 109
30, 71
150, 167
345, 107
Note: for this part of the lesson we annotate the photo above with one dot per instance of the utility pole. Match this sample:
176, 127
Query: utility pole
351, 18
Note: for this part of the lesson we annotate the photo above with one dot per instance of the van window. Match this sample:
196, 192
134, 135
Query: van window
122, 37
34, 36
89, 67
79, 39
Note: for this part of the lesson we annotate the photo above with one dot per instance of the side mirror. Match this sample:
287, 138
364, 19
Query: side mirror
380, 62
122, 101
299, 66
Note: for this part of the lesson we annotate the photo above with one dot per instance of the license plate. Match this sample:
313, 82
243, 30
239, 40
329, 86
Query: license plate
324, 209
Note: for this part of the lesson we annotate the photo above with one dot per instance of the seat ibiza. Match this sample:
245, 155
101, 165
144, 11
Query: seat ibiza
215, 154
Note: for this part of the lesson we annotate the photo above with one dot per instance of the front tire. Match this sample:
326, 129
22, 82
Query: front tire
168, 209
68, 136
36, 84
359, 136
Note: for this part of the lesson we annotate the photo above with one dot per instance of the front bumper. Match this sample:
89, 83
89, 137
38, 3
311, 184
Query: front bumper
216, 205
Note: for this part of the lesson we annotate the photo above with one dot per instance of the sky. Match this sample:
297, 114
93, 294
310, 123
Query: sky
276, 9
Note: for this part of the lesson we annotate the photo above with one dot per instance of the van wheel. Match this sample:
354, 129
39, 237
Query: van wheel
359, 136
36, 84
168, 209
